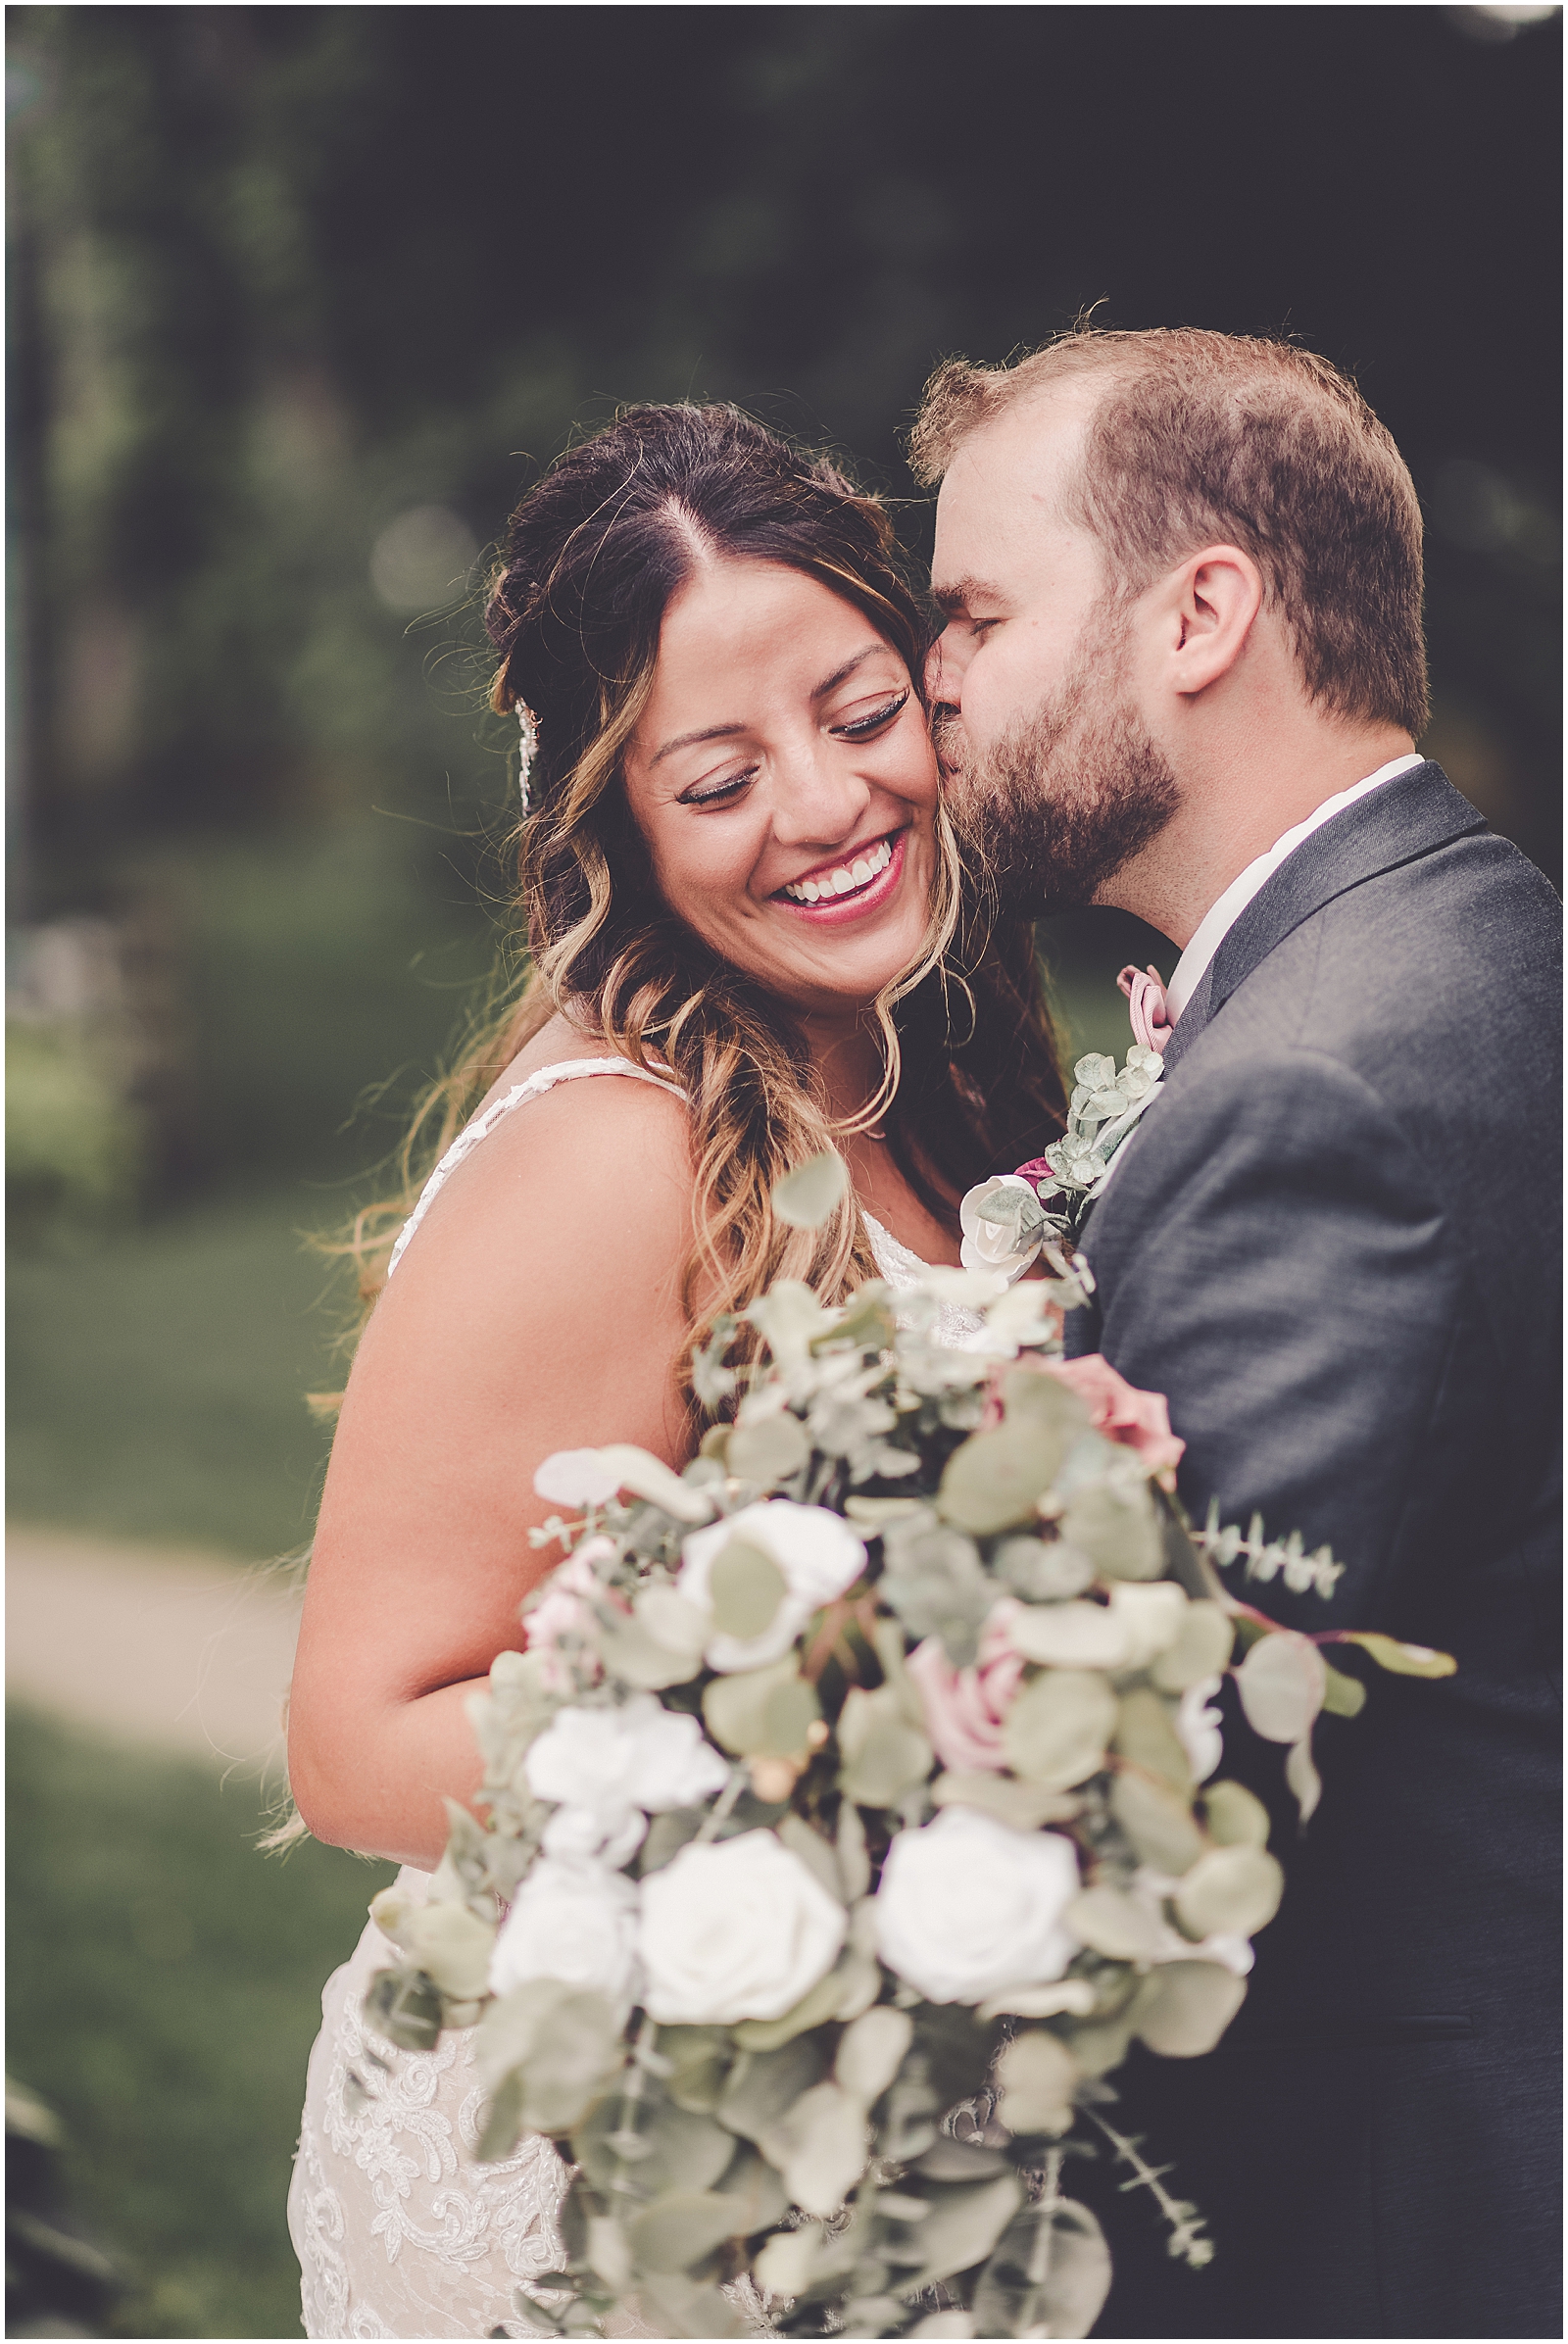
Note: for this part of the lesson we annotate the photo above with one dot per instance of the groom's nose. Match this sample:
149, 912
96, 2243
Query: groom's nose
944, 668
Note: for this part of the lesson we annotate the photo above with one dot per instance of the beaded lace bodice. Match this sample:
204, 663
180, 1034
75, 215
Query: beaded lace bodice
398, 2229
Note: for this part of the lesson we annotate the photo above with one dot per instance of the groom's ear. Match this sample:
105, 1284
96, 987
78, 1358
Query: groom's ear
1209, 606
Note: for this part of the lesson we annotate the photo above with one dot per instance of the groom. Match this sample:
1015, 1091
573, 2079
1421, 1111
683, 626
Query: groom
1184, 673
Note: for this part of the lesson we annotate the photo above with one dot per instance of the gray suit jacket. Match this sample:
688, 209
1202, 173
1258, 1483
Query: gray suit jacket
1335, 1244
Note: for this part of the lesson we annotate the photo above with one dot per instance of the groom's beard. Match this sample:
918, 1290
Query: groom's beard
1070, 793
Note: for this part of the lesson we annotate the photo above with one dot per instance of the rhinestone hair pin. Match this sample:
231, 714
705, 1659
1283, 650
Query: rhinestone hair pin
529, 729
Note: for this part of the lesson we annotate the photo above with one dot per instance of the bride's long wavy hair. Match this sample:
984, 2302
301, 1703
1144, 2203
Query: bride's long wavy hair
596, 553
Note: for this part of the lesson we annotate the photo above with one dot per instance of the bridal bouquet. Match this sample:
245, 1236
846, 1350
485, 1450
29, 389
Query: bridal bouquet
852, 1811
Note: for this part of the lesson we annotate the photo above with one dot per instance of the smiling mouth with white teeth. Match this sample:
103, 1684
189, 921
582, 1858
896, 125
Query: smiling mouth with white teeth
846, 879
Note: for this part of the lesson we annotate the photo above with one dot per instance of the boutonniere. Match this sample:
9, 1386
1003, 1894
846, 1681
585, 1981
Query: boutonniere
1010, 1221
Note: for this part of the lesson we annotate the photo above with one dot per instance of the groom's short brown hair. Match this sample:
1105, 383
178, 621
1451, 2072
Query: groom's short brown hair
1197, 437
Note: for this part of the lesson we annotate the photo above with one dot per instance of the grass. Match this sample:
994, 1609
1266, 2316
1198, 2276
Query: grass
163, 1991
156, 1378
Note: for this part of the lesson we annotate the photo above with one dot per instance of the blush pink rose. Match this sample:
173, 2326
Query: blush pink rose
1118, 1411
965, 1708
565, 1610
1147, 1006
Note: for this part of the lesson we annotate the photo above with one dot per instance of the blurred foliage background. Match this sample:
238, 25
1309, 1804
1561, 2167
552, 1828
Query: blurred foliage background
301, 298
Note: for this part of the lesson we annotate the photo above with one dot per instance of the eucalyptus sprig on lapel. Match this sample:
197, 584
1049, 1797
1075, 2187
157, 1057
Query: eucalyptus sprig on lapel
1008, 1221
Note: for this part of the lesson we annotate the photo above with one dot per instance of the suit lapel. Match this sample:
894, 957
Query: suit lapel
1401, 823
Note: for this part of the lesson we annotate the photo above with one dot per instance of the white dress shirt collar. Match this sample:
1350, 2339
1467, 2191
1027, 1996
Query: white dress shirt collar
1222, 915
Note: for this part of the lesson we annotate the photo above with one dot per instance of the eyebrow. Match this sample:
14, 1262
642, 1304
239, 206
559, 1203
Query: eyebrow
727, 732
964, 593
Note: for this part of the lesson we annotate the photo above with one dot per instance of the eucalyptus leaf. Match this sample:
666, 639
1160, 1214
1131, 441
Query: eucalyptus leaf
761, 1713
853, 1861
1187, 2007
814, 1852
764, 2085
1343, 1697
1282, 1684
699, 2060
819, 2004
1231, 1891
452, 1946
1117, 1528
668, 1834
1203, 1649
1403, 1660
682, 2226
755, 2191
809, 1195
820, 2147
1069, 1635
1048, 2277
1056, 1731
1158, 1824
1061, 1997
790, 1319
632, 1652
1147, 1736
405, 2008
995, 1480
572, 2064
871, 2052
1024, 1805
1111, 1922
962, 2227
1302, 1779
1235, 1817
1036, 2077
934, 1580
1042, 1571
634, 1469
883, 1756
687, 2151
746, 1588
767, 1453
502, 2124
950, 2159
683, 2309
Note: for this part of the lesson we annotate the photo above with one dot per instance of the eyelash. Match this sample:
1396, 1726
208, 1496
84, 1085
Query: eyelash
860, 730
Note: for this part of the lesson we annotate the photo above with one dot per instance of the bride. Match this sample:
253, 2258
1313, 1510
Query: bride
741, 900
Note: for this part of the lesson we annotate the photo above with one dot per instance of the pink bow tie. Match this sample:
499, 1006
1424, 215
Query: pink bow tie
1147, 1006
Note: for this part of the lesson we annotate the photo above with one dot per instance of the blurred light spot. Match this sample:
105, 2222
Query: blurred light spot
1501, 24
1477, 761
24, 88
423, 557
1475, 506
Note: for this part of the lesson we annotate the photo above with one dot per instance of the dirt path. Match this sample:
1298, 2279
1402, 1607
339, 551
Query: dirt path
188, 1652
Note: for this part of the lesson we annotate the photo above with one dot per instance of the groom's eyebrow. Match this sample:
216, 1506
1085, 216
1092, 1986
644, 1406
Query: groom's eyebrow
963, 594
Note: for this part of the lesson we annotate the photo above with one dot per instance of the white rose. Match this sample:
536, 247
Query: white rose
1199, 1727
640, 1755
991, 1245
610, 1836
741, 1930
969, 1906
817, 1553
575, 1922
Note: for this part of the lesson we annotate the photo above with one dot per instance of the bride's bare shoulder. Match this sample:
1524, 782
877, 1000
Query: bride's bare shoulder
590, 1176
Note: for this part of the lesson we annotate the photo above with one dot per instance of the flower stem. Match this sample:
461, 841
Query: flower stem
1184, 2222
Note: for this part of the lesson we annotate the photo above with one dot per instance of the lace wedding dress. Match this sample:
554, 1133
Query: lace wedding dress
398, 2230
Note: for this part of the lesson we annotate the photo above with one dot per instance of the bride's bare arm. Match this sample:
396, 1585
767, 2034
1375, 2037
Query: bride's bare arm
537, 1308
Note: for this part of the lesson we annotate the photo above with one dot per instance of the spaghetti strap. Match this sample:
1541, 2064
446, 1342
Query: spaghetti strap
565, 1070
